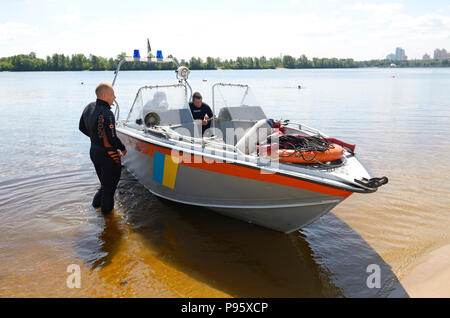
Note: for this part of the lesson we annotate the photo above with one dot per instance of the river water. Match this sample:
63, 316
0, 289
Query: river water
399, 119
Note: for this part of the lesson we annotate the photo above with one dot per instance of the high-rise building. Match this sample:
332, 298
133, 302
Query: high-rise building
398, 56
441, 54
390, 57
426, 57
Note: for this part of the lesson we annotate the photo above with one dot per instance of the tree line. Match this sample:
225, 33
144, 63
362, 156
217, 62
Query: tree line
79, 62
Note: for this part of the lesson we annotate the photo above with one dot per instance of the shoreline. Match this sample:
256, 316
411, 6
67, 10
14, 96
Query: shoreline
237, 69
430, 275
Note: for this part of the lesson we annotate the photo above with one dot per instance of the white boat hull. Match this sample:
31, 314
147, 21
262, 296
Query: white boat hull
263, 201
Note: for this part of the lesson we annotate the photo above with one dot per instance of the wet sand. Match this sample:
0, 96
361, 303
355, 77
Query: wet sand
430, 276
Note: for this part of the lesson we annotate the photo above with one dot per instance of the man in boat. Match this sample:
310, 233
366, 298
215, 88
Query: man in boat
201, 111
98, 123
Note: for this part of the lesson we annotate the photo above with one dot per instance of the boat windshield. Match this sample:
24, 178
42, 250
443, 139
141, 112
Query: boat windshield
232, 96
160, 105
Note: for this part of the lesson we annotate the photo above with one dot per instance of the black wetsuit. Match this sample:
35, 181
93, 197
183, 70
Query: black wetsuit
199, 113
98, 123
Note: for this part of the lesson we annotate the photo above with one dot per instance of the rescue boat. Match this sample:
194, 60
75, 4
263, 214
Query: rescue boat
233, 170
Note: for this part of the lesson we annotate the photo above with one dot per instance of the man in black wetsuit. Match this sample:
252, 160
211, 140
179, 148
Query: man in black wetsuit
98, 123
201, 111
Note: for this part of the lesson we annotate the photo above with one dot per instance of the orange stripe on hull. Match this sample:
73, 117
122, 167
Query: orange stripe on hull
233, 169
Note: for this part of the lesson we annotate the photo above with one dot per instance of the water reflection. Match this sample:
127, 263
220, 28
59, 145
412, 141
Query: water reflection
244, 260
47, 183
99, 248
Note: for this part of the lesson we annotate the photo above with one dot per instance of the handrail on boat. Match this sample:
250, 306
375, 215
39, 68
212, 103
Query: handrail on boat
141, 60
180, 84
178, 137
305, 127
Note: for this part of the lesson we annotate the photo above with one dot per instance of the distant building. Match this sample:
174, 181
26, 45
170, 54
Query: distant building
441, 54
426, 57
390, 57
398, 56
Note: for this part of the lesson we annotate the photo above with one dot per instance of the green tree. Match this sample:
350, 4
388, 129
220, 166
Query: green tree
288, 61
195, 63
210, 63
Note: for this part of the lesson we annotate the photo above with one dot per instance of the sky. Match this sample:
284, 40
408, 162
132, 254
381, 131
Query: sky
355, 29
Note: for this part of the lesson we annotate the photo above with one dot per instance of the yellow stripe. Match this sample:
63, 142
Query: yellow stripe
170, 171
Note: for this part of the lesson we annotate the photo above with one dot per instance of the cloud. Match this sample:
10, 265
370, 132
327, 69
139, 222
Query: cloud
11, 31
374, 7
216, 34
357, 30
371, 35
428, 26
71, 18
384, 25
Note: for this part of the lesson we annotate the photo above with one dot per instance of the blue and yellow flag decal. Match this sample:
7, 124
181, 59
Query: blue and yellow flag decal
165, 169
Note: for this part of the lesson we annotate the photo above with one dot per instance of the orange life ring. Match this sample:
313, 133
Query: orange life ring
290, 155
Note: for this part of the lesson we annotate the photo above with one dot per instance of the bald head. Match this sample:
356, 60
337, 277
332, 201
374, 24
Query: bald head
105, 92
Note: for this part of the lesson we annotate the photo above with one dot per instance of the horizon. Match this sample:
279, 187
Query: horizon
360, 30
144, 54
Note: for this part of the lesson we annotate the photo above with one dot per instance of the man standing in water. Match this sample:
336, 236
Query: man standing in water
98, 123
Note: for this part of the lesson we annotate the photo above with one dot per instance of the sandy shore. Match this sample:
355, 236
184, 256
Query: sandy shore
430, 277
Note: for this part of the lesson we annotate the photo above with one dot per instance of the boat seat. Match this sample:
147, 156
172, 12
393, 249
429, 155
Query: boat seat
240, 119
253, 113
